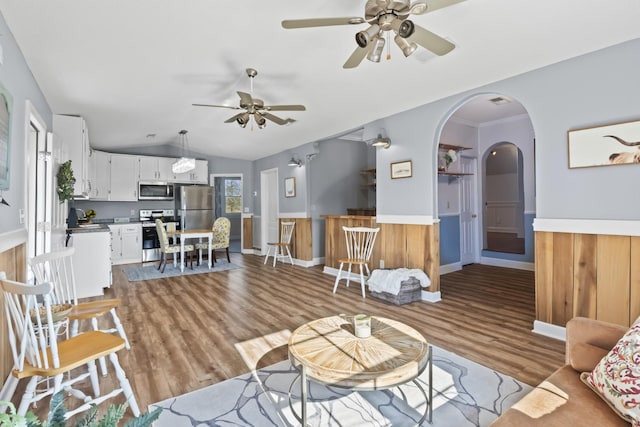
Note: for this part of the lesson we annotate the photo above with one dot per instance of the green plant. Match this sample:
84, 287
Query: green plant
57, 412
65, 182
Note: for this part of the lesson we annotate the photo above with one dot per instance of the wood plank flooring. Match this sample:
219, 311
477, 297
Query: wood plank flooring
193, 331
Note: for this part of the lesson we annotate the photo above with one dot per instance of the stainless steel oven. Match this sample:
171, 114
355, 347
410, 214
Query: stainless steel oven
150, 239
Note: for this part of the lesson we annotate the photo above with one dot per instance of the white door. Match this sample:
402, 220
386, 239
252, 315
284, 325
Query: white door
468, 212
40, 187
269, 208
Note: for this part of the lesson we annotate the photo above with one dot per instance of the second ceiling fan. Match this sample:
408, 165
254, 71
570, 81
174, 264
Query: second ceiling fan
254, 107
384, 16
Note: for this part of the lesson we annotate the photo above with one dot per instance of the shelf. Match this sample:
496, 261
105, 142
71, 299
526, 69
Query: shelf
452, 147
368, 171
369, 178
453, 173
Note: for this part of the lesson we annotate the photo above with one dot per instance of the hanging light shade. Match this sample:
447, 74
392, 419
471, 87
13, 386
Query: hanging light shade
184, 164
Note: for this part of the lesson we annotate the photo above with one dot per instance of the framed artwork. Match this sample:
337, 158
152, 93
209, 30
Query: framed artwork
290, 187
5, 137
401, 169
607, 145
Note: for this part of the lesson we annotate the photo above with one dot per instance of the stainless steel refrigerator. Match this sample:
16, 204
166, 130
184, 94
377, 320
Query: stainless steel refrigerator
194, 205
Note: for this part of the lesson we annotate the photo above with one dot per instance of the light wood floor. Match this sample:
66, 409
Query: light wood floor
186, 332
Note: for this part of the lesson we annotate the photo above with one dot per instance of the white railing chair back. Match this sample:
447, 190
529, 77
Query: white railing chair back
57, 268
359, 243
41, 351
279, 248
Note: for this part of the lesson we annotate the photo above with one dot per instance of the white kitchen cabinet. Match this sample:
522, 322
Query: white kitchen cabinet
123, 180
73, 132
156, 168
200, 175
91, 262
99, 175
126, 243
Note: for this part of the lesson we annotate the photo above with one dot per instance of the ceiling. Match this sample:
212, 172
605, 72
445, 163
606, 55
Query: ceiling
133, 68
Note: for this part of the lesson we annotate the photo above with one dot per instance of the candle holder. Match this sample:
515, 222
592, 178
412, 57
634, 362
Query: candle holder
362, 325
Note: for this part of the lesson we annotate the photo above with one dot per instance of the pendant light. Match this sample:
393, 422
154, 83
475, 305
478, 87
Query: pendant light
184, 164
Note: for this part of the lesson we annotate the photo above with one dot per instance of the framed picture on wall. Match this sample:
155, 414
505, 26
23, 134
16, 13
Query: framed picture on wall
5, 137
401, 169
290, 187
607, 145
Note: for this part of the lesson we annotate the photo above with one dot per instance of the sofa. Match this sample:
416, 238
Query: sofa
563, 399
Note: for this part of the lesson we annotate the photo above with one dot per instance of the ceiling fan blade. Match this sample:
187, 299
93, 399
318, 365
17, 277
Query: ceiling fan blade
216, 106
431, 41
245, 99
234, 118
275, 119
432, 5
358, 55
284, 107
320, 22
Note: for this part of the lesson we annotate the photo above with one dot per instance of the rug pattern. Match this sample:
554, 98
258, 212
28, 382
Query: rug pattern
150, 271
465, 394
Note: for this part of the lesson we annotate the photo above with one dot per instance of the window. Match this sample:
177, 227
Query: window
233, 195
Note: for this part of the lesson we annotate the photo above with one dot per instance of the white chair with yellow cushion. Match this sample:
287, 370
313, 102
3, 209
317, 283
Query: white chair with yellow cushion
278, 248
360, 241
50, 362
167, 248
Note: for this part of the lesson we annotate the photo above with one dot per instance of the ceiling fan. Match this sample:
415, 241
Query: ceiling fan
255, 107
384, 16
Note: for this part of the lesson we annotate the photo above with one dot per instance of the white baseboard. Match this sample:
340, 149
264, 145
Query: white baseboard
549, 330
318, 261
450, 268
498, 262
431, 296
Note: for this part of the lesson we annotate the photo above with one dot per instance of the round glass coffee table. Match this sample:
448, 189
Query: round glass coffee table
328, 352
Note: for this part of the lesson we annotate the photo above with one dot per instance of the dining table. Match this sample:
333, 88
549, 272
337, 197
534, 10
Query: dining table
192, 234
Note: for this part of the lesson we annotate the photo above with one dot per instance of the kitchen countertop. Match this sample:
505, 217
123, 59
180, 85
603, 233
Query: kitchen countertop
93, 228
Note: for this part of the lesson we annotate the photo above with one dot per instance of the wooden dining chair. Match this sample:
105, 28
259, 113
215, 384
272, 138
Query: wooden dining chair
56, 267
359, 241
221, 231
169, 248
42, 353
278, 248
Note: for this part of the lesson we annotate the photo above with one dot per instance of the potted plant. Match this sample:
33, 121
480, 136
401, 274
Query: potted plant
66, 180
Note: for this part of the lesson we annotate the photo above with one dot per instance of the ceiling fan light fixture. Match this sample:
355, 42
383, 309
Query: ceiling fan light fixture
363, 38
243, 120
403, 27
405, 46
260, 120
376, 53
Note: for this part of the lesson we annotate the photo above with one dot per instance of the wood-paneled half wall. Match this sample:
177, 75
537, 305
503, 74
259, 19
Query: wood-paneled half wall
301, 240
596, 276
398, 245
13, 262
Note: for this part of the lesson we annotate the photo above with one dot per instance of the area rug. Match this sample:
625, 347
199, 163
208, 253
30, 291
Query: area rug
149, 272
465, 394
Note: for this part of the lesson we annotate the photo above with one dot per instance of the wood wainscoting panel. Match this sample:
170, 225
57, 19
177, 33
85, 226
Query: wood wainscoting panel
302, 239
634, 310
544, 275
585, 280
247, 233
14, 263
562, 296
614, 269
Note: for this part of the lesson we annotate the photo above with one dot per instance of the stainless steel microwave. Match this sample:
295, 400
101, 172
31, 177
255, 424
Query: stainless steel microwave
155, 191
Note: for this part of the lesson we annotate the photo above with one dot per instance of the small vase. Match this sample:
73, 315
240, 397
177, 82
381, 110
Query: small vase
72, 219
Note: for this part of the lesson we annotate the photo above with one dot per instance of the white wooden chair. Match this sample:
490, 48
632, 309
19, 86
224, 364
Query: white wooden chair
360, 241
278, 248
57, 268
51, 363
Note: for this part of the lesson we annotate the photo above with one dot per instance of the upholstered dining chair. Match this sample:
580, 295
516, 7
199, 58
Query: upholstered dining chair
278, 248
221, 231
42, 353
359, 241
167, 248
56, 267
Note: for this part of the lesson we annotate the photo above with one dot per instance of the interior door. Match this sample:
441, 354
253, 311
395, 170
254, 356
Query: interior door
468, 212
269, 208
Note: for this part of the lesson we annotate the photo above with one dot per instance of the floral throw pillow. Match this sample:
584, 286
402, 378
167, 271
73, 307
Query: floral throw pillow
616, 378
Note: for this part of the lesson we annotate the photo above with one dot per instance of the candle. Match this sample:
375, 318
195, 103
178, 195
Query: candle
362, 325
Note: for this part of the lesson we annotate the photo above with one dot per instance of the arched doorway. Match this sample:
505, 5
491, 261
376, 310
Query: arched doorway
478, 125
